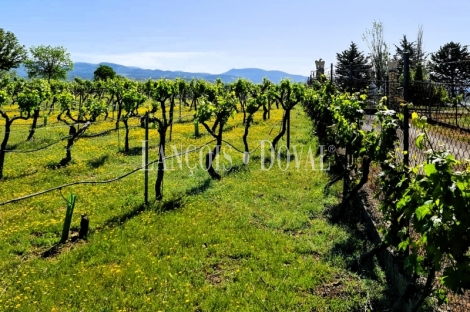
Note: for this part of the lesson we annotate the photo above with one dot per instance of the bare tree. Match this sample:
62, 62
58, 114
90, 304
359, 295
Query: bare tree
420, 54
379, 50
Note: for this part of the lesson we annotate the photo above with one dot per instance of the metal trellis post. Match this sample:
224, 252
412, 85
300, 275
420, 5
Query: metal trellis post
406, 117
146, 160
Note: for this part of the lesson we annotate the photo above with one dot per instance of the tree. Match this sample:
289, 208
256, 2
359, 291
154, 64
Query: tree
420, 54
451, 65
48, 62
360, 68
12, 54
103, 72
378, 50
418, 74
405, 46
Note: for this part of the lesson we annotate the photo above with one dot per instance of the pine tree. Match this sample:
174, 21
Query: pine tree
418, 73
360, 68
451, 65
405, 46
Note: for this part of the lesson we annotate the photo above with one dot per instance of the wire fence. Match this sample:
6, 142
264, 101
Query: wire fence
448, 117
447, 109
143, 167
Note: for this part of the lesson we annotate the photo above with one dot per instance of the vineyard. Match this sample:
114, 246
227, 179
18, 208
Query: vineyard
211, 196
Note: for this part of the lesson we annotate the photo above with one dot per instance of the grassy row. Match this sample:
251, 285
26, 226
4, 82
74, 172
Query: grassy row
257, 240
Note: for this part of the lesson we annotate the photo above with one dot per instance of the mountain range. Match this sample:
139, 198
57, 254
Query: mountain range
85, 71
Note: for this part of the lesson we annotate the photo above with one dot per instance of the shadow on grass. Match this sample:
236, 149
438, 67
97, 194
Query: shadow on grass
53, 251
19, 176
57, 248
183, 120
98, 162
14, 146
356, 244
94, 135
236, 169
29, 145
357, 239
228, 128
171, 205
164, 206
59, 165
265, 163
200, 188
133, 151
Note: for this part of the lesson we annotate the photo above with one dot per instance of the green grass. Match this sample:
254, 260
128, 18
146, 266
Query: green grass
254, 241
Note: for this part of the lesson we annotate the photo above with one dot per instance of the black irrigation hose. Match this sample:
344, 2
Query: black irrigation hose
35, 150
37, 128
96, 182
119, 177
63, 125
66, 137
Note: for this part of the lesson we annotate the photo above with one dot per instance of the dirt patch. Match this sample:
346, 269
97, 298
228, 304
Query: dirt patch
214, 274
214, 279
335, 289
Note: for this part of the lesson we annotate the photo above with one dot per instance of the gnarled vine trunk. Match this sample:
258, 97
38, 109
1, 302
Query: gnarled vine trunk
283, 130
3, 146
161, 165
73, 136
210, 157
245, 134
33, 125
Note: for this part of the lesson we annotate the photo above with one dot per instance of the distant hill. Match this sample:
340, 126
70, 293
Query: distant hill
85, 71
256, 75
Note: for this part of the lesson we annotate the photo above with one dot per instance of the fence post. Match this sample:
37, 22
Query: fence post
171, 127
196, 128
119, 140
406, 117
146, 160
331, 73
68, 218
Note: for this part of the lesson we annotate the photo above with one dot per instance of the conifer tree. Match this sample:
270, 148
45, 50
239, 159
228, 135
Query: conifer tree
360, 68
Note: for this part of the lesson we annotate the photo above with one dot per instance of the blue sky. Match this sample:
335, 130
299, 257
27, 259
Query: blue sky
215, 36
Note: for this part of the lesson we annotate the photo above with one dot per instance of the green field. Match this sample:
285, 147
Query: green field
258, 240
